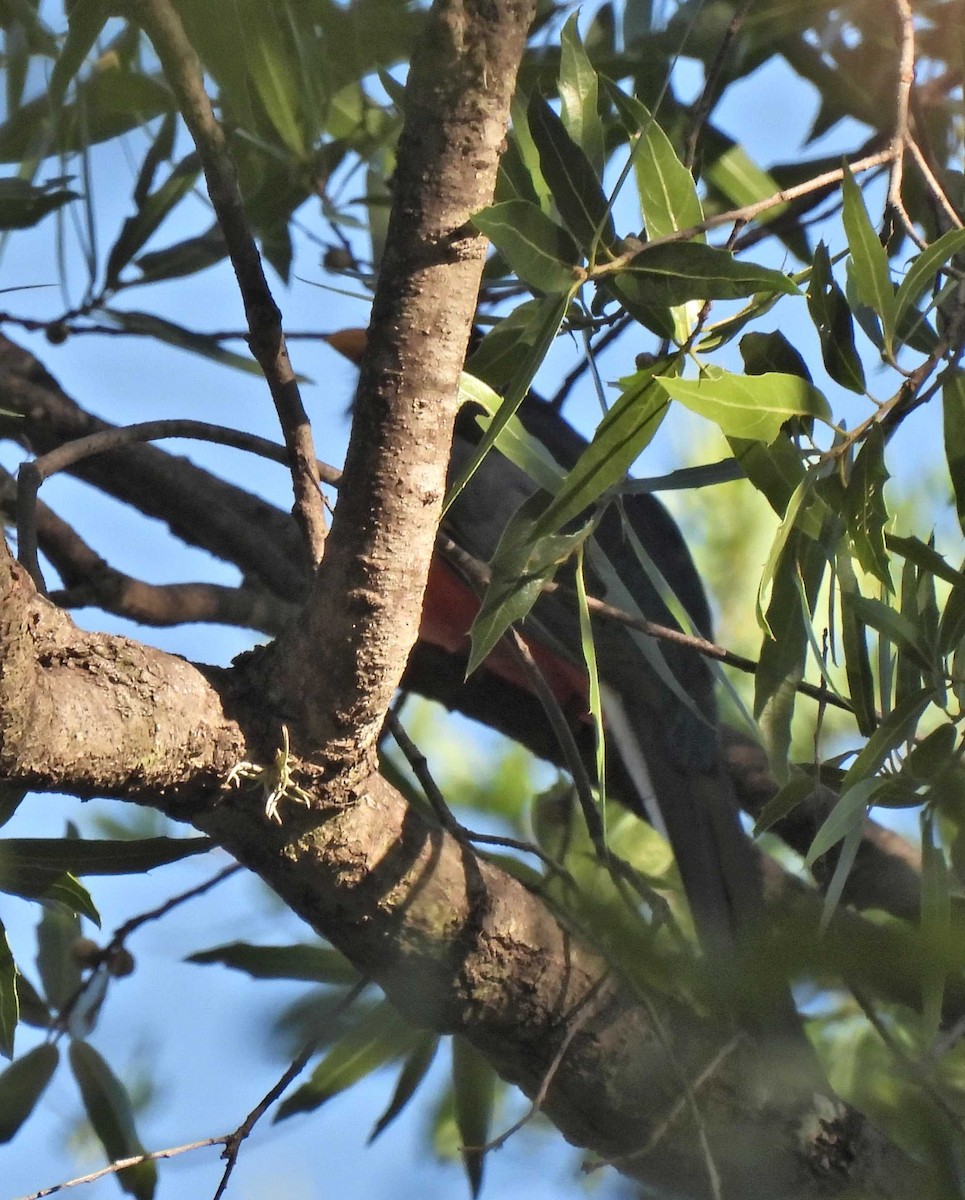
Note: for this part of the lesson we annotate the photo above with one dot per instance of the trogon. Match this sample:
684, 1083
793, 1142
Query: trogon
667, 766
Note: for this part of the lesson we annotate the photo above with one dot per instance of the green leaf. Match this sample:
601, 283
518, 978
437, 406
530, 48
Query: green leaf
111, 1114
513, 441
9, 1002
521, 567
897, 728
578, 92
668, 194
865, 510
896, 627
953, 418
795, 792
60, 975
33, 879
620, 439
87, 856
676, 272
474, 1093
414, 1070
573, 183
85, 20
775, 470
849, 812
151, 212
109, 102
924, 269
314, 964
754, 406
187, 257
551, 311
21, 1086
542, 253
379, 1037
268, 66
832, 318
743, 181
763, 352
23, 204
926, 557
857, 661
869, 260
177, 335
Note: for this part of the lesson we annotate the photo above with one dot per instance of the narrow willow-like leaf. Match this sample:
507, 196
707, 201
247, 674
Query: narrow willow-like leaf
923, 270
573, 183
9, 1002
379, 1037
414, 1070
314, 964
936, 924
832, 318
953, 419
668, 194
474, 1093
857, 662
865, 510
869, 261
578, 90
110, 1112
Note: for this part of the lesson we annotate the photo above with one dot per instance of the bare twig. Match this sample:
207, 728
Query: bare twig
122, 1164
233, 1141
931, 180
745, 213
183, 71
708, 96
899, 137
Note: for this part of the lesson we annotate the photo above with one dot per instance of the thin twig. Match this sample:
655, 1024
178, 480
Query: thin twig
184, 74
419, 765
574, 1025
743, 214
906, 77
120, 935
122, 1164
233, 1142
932, 182
708, 96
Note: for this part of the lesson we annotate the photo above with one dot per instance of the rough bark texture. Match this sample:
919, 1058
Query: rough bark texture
644, 1080
362, 617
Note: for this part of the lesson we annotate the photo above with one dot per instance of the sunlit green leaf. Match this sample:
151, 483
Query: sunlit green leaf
22, 1084
676, 272
668, 194
748, 406
923, 270
110, 1112
578, 92
542, 254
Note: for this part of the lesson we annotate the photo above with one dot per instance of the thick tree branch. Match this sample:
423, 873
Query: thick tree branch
457, 944
362, 617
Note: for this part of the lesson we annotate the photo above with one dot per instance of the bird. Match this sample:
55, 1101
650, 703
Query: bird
666, 762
